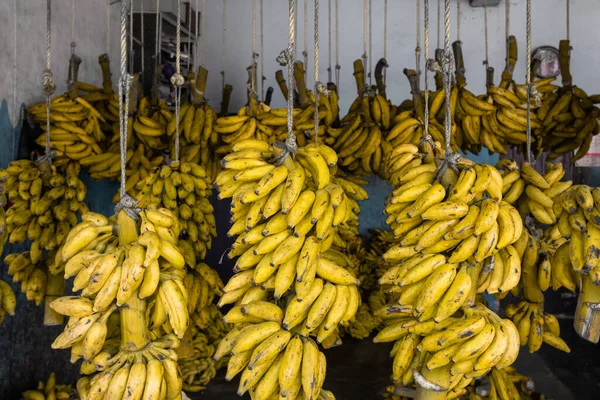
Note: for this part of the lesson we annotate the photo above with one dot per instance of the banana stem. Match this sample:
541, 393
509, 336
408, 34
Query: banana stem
134, 333
359, 76
413, 80
381, 64
155, 78
134, 93
438, 376
489, 77
55, 288
564, 60
281, 82
587, 318
107, 86
439, 78
511, 60
201, 78
459, 63
301, 84
227, 90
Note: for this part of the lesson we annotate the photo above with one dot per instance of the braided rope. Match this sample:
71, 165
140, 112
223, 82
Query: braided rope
286, 57
329, 70
131, 55
486, 62
528, 79
364, 56
177, 79
48, 85
385, 30
15, 119
426, 45
126, 203
418, 36
458, 20
72, 26
262, 52
320, 88
305, 51
337, 48
370, 42
439, 25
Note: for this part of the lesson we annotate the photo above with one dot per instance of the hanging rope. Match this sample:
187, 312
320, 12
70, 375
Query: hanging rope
427, 62
286, 57
131, 55
203, 27
364, 56
337, 49
528, 79
254, 65
305, 52
197, 21
507, 20
142, 35
15, 119
385, 17
418, 35
48, 85
568, 19
72, 27
262, 52
177, 79
329, 71
439, 24
370, 42
458, 20
224, 34
108, 27
126, 203
157, 37
486, 62
320, 88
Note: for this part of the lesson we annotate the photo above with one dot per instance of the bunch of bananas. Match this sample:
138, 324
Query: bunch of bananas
45, 204
49, 390
361, 143
504, 384
197, 366
135, 272
75, 131
536, 327
364, 323
8, 301
285, 218
202, 284
183, 188
569, 117
457, 349
33, 276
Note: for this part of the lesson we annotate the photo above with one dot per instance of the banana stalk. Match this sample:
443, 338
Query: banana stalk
512, 51
359, 76
299, 75
587, 317
107, 87
379, 68
564, 60
227, 89
74, 63
134, 335
459, 62
55, 288
439, 377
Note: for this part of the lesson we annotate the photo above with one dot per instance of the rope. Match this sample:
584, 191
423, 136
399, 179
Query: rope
364, 56
157, 37
426, 44
224, 34
568, 19
189, 47
286, 57
203, 27
305, 52
72, 26
528, 79
262, 52
14, 99
131, 37
486, 62
418, 35
177, 80
458, 20
439, 24
253, 84
329, 70
337, 48
320, 88
48, 86
370, 42
142, 34
385, 18
108, 28
197, 35
507, 21
126, 203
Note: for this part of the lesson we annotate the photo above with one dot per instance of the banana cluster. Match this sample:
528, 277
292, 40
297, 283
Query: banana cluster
197, 365
536, 327
33, 276
183, 188
202, 284
504, 384
75, 131
364, 323
285, 219
49, 390
274, 362
8, 301
45, 204
460, 348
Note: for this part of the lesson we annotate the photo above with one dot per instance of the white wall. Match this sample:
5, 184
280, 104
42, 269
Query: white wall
548, 28
90, 37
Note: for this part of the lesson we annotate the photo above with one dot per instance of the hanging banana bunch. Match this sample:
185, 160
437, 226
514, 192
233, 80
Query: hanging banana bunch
503, 384
197, 119
9, 301
44, 206
361, 144
285, 218
536, 327
49, 390
569, 117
